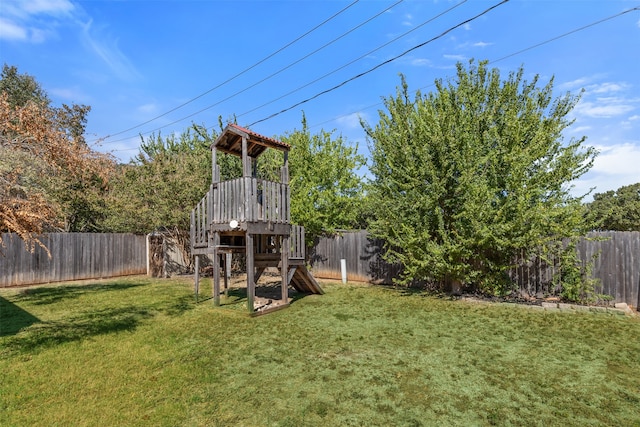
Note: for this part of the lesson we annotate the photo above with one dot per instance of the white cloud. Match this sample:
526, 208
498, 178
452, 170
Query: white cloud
581, 82
23, 21
455, 57
467, 26
35, 21
482, 44
634, 117
67, 94
620, 159
604, 108
351, 121
53, 7
108, 51
607, 87
421, 62
579, 129
577, 83
615, 166
12, 31
148, 108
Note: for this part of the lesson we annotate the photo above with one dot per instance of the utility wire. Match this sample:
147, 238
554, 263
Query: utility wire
353, 61
637, 8
568, 33
238, 74
271, 75
381, 64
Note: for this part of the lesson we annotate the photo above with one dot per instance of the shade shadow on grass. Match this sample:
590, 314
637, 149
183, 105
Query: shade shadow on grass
52, 294
102, 312
13, 318
79, 327
237, 297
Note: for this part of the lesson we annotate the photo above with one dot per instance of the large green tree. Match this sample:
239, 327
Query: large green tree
161, 186
617, 210
325, 180
473, 175
327, 188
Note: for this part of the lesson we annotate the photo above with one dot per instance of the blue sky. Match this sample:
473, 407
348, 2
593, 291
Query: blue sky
133, 61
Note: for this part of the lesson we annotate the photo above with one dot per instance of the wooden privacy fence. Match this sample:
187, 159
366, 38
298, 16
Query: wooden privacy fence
74, 256
617, 265
362, 253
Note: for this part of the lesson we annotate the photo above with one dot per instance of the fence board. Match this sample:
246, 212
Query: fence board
74, 256
363, 255
616, 263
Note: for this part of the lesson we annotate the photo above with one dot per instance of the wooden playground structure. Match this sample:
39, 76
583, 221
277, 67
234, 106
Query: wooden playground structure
252, 216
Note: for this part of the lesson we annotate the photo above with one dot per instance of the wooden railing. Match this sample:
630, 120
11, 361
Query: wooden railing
245, 200
296, 242
200, 220
250, 200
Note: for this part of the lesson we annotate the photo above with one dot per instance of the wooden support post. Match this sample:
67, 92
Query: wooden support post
227, 273
196, 275
251, 285
246, 160
284, 270
216, 269
215, 170
284, 172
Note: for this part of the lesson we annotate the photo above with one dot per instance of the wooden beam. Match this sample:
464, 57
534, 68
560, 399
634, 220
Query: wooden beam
196, 275
216, 270
227, 273
284, 173
284, 268
246, 160
251, 285
215, 170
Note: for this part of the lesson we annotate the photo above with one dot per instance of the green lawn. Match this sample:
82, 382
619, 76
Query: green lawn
137, 351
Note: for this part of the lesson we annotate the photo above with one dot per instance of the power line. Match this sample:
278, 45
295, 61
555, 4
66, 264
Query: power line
271, 75
381, 64
353, 61
238, 74
637, 8
584, 27
568, 33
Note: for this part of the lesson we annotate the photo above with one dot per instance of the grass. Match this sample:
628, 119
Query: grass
137, 351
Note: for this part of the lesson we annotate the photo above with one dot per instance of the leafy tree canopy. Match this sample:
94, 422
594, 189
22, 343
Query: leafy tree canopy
162, 184
617, 210
474, 174
48, 175
326, 188
21, 88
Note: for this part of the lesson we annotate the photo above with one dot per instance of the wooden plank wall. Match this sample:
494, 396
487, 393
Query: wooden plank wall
74, 256
297, 243
617, 266
618, 263
250, 199
363, 255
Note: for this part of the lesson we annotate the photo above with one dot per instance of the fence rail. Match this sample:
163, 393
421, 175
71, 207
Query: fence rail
616, 263
74, 256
